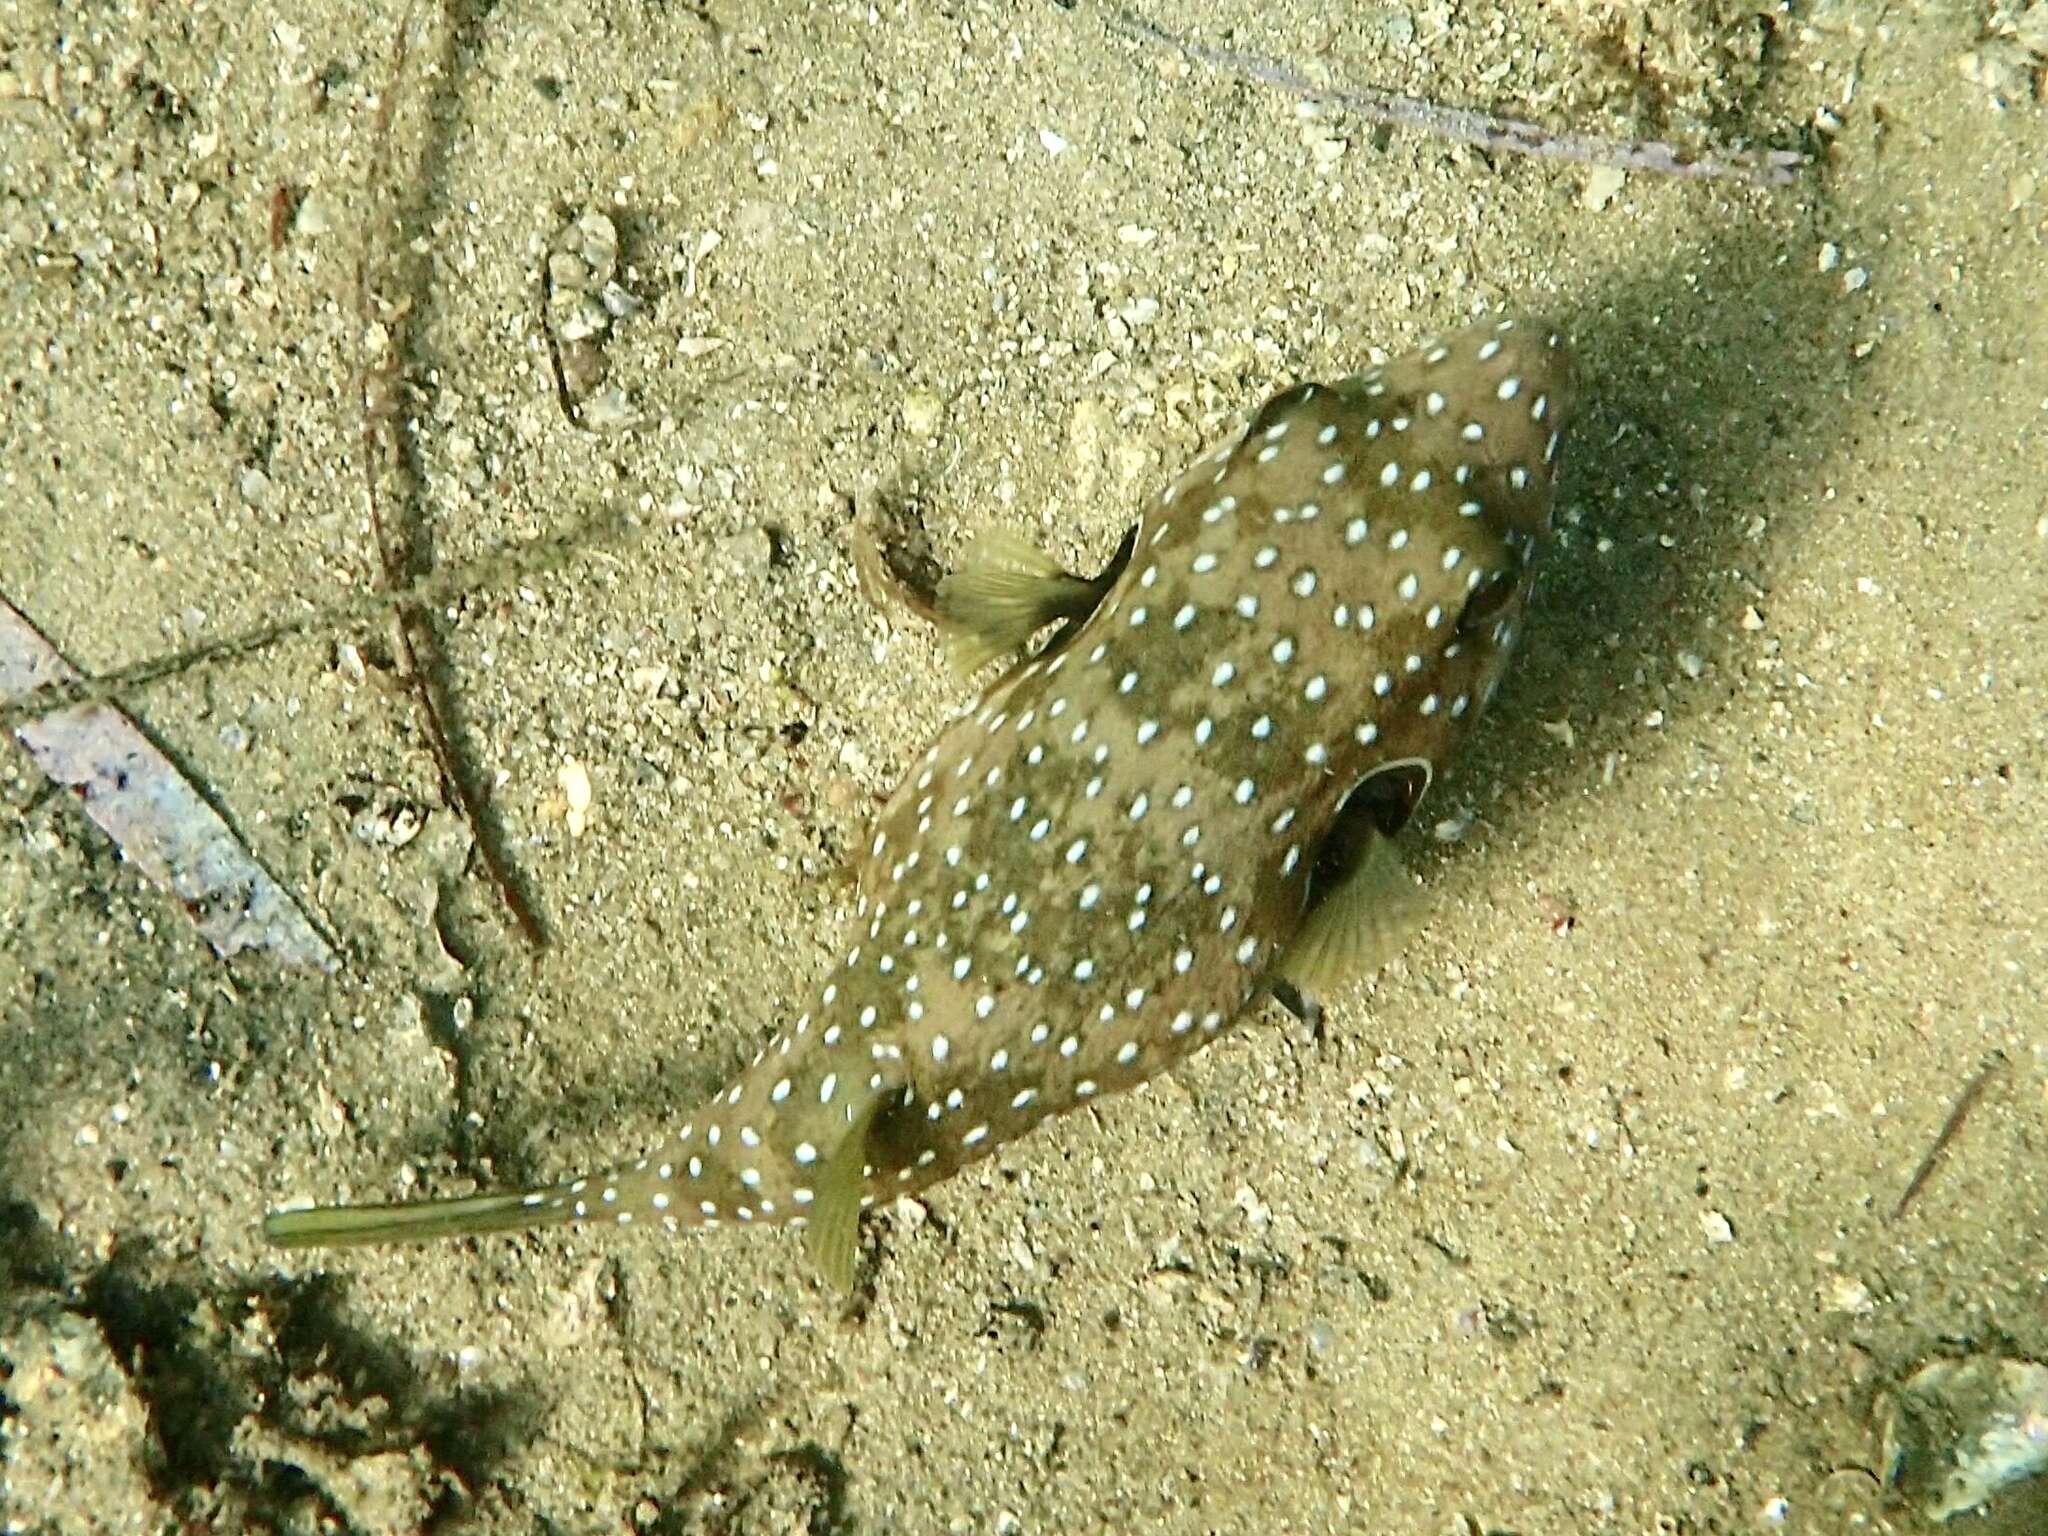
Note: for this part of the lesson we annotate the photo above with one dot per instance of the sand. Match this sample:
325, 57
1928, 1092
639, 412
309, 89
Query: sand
1579, 1218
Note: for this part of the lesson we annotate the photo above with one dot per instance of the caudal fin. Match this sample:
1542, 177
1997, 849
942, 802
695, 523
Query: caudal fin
349, 1226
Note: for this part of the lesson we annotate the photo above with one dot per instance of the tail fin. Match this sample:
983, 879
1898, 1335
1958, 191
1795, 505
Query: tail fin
349, 1226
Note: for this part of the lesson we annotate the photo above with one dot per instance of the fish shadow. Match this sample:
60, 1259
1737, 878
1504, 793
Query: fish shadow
1711, 394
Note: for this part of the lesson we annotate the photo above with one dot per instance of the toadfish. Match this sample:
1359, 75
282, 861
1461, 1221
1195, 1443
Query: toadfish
1184, 800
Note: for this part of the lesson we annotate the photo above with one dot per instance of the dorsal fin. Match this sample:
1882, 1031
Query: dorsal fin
833, 1232
1281, 407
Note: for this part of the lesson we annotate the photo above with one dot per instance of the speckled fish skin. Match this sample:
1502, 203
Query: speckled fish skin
1093, 872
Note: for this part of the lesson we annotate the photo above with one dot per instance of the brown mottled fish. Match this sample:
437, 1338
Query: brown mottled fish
1185, 799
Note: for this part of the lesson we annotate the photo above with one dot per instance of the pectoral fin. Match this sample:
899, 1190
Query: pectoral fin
1362, 909
1004, 593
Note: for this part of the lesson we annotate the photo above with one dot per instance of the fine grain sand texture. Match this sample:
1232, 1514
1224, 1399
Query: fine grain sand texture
1582, 1217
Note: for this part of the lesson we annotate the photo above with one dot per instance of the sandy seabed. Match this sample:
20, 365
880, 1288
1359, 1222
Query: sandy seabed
1582, 1217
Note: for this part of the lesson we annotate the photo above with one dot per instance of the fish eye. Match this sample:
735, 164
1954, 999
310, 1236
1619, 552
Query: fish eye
1491, 596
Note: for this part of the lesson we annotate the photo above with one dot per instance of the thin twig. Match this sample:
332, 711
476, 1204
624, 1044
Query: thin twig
377, 385
1966, 1101
1511, 135
571, 412
545, 553
537, 556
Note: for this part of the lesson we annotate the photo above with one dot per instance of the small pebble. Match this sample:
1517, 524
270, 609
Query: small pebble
315, 216
609, 410
575, 781
1603, 185
922, 411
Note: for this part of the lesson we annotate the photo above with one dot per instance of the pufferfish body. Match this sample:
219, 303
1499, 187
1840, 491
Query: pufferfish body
1184, 799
